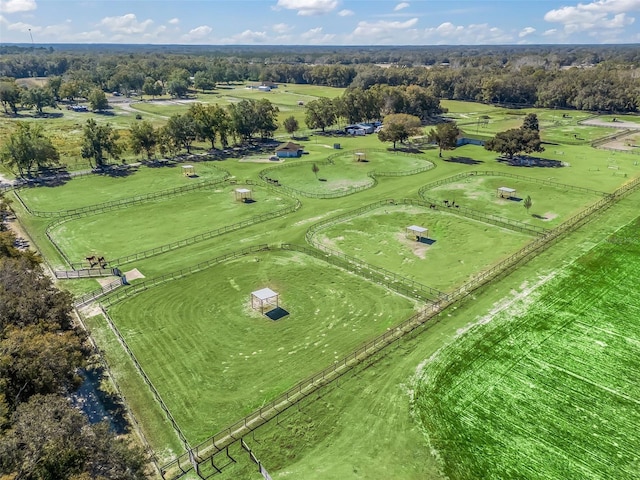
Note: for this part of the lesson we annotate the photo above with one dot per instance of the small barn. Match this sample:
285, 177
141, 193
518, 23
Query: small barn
289, 150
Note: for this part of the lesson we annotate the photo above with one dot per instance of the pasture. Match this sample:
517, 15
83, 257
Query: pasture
551, 204
343, 172
196, 336
136, 181
207, 350
151, 224
548, 387
455, 249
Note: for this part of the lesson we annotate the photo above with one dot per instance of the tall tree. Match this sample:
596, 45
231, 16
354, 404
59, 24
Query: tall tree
99, 141
97, 100
143, 138
35, 361
49, 439
530, 122
290, 125
445, 135
28, 147
151, 87
320, 113
181, 131
9, 95
211, 122
398, 127
38, 98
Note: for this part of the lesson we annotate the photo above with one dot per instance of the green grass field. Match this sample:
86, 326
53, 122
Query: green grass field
364, 428
345, 172
200, 335
550, 205
456, 249
152, 224
96, 189
547, 388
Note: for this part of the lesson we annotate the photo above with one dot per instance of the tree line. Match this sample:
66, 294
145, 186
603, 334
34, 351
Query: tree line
42, 436
28, 149
584, 78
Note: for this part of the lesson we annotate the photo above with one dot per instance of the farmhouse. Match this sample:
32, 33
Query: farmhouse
289, 150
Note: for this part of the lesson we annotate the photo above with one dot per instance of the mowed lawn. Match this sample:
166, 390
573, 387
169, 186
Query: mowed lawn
345, 172
456, 249
155, 223
548, 388
214, 359
551, 205
95, 189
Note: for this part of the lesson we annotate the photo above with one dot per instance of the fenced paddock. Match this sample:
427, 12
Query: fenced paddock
187, 218
552, 202
457, 246
103, 190
341, 174
213, 343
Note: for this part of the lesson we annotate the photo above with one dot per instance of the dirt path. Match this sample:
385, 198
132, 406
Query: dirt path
617, 124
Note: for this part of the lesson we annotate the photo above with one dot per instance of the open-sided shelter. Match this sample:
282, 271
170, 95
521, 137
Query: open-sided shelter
243, 194
263, 298
188, 170
418, 232
506, 192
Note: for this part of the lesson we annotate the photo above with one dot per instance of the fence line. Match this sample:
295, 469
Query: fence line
615, 136
190, 240
490, 173
264, 175
85, 273
392, 281
95, 294
116, 204
146, 379
154, 281
302, 389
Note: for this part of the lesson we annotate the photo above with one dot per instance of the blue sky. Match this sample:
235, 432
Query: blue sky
320, 22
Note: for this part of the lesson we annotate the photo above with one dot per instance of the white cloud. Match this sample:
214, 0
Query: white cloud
281, 28
309, 7
174, 21
346, 13
197, 33
474, 34
126, 24
248, 36
595, 16
400, 6
22, 27
526, 31
316, 36
381, 28
14, 6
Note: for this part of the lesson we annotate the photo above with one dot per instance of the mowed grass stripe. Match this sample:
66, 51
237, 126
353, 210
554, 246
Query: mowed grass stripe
540, 378
156, 223
202, 337
462, 247
96, 189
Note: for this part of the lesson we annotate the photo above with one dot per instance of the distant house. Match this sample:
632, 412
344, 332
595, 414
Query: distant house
289, 150
367, 127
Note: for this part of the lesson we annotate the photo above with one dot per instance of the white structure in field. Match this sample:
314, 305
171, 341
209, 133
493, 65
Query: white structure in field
243, 194
418, 232
188, 170
264, 297
506, 192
